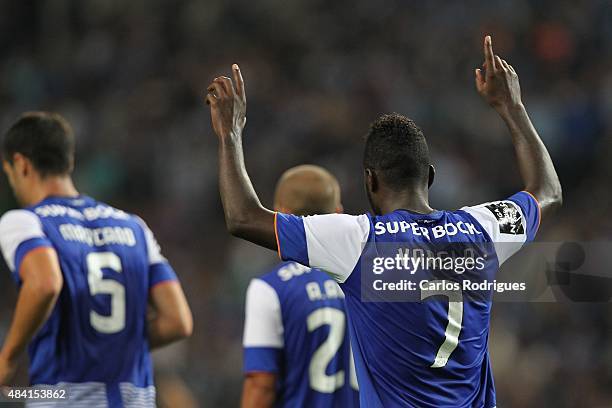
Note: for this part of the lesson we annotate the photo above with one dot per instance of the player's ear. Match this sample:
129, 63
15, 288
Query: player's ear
432, 175
371, 180
21, 164
339, 209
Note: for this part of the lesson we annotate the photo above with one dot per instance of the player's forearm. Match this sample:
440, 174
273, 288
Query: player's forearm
170, 318
34, 305
163, 331
258, 395
244, 215
534, 162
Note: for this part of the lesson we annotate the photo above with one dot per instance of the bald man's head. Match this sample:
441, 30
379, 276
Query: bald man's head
307, 190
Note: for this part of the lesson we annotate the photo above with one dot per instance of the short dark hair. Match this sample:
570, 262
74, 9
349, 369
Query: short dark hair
44, 138
397, 150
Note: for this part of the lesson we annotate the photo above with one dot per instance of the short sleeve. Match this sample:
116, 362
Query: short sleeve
159, 268
20, 232
331, 242
510, 223
531, 211
263, 339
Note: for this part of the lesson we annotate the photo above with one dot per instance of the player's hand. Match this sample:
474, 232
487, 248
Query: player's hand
499, 84
8, 367
227, 104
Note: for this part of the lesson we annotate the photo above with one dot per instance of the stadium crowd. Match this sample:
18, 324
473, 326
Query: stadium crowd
130, 77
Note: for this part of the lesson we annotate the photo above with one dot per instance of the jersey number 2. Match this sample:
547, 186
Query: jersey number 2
319, 380
115, 322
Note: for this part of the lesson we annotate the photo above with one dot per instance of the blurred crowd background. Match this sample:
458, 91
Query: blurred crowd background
130, 77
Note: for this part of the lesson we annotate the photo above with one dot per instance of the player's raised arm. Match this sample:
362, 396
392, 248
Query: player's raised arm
245, 217
499, 87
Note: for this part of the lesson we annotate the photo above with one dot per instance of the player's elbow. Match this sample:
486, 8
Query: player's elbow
557, 197
550, 197
554, 195
243, 223
184, 327
238, 227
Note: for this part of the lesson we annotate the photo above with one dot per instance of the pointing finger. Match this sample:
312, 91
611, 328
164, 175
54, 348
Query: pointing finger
488, 52
239, 81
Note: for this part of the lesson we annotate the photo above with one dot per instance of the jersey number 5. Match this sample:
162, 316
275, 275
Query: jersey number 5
115, 322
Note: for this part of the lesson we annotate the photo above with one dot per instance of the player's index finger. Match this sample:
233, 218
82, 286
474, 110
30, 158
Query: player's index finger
238, 79
488, 51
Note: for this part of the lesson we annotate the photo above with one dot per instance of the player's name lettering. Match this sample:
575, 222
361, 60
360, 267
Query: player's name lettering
329, 290
98, 236
436, 231
88, 213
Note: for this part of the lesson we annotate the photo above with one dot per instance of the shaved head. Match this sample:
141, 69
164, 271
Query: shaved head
307, 190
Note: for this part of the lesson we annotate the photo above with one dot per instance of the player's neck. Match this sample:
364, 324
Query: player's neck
60, 186
412, 200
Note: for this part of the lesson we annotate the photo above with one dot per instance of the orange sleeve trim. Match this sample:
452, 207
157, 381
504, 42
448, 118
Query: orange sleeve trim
278, 248
539, 209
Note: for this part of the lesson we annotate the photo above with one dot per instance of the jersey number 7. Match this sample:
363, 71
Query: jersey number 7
453, 328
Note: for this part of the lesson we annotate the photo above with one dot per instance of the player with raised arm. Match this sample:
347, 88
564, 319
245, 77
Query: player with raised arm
407, 354
296, 346
87, 273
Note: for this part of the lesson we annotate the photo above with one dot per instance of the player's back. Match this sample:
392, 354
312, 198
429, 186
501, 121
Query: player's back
296, 327
95, 340
416, 346
431, 345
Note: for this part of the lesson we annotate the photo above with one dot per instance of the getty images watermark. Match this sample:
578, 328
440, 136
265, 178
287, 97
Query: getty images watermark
536, 272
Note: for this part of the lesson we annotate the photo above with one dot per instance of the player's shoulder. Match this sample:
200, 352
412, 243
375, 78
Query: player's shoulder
327, 222
339, 220
94, 209
22, 218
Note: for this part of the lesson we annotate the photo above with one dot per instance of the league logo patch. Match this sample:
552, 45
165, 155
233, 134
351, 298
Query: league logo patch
508, 217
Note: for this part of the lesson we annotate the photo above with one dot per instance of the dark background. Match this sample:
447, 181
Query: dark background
130, 75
